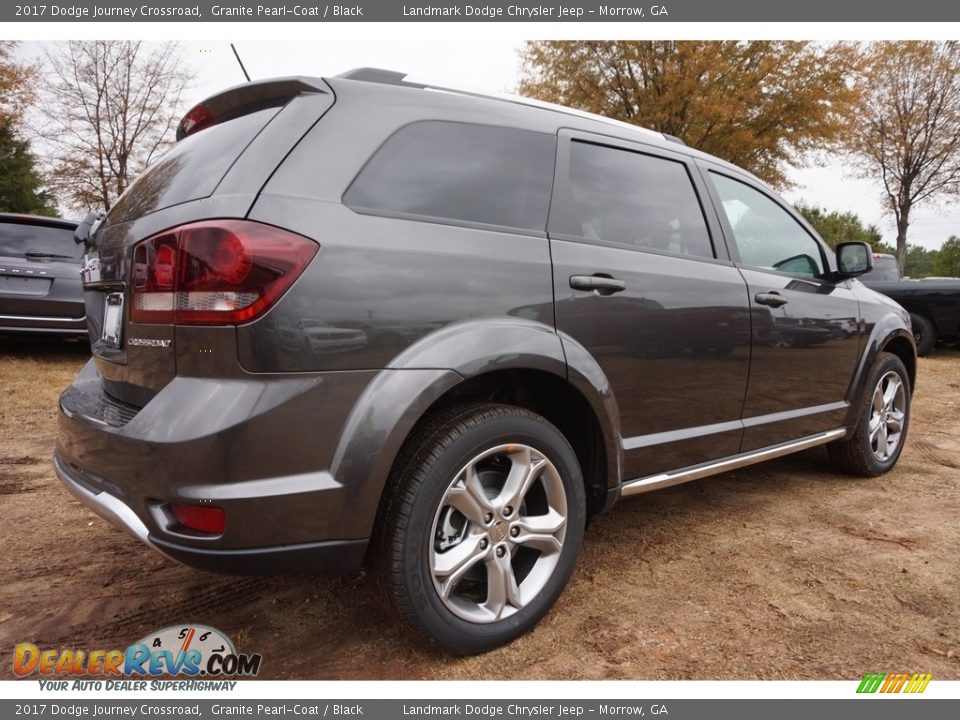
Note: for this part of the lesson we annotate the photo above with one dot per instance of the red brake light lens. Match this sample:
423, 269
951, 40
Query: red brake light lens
216, 272
196, 119
203, 518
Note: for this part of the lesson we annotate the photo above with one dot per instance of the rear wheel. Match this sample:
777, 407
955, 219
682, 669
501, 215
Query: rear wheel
883, 418
482, 526
925, 334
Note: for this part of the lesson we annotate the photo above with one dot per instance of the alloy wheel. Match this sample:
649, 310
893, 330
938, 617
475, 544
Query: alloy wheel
498, 533
887, 415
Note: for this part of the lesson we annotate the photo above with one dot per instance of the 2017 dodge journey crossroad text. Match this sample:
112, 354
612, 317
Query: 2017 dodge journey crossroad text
361, 318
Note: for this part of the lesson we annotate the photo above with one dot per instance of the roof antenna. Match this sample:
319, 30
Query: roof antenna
237, 56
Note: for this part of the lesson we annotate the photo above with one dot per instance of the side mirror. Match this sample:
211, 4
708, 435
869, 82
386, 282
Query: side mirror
854, 258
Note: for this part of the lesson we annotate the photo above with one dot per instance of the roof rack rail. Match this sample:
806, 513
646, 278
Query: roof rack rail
392, 77
674, 138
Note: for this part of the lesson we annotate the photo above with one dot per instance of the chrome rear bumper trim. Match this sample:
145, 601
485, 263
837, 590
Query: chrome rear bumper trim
38, 318
110, 508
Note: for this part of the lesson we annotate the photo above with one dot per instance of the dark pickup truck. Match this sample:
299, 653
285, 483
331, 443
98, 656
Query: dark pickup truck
933, 303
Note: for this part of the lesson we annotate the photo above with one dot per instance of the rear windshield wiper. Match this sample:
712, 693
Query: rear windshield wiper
33, 254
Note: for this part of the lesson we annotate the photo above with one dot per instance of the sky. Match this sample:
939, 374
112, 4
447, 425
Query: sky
492, 64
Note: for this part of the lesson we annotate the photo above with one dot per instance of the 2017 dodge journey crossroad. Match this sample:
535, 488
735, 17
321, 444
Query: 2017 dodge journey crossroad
358, 317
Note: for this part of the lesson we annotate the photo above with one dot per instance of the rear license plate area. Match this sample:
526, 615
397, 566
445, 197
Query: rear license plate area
112, 319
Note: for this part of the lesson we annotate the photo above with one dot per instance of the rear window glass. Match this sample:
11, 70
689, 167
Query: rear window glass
884, 268
460, 172
16, 240
192, 168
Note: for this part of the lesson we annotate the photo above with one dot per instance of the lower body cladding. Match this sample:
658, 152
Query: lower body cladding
258, 475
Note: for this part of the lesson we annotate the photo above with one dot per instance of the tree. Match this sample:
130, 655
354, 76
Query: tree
908, 133
947, 263
110, 110
760, 105
919, 261
836, 227
21, 186
16, 83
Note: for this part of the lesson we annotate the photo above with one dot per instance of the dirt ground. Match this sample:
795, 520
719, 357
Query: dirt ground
785, 570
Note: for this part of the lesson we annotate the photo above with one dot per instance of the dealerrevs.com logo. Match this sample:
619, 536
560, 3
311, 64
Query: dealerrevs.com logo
180, 650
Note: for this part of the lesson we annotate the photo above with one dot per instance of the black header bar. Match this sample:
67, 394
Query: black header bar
643, 11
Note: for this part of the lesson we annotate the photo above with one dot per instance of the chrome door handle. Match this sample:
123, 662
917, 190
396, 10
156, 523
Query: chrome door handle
603, 284
772, 299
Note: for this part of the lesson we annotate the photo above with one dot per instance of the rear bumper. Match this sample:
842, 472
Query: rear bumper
335, 557
259, 448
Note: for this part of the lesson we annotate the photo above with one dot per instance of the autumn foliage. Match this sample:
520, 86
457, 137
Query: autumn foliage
760, 105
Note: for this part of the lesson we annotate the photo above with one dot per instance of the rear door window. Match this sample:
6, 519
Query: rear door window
459, 172
633, 199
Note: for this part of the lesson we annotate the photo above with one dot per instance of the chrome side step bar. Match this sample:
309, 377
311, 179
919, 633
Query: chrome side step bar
663, 480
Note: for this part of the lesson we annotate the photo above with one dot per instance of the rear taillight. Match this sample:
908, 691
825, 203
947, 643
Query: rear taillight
215, 272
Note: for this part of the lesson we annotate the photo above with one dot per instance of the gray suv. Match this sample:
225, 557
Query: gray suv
40, 291
360, 318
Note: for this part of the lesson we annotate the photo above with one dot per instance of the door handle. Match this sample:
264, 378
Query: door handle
602, 283
772, 298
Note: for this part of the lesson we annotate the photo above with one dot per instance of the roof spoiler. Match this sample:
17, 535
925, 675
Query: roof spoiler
245, 99
379, 75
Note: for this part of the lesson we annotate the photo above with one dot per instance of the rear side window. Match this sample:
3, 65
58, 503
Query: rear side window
630, 198
192, 168
460, 172
17, 240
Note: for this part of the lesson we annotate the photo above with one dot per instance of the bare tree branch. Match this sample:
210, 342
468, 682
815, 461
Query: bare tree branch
909, 129
109, 111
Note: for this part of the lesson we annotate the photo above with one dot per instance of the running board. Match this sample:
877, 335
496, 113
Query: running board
656, 482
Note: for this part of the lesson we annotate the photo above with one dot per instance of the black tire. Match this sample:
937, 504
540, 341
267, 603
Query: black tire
404, 543
856, 454
925, 333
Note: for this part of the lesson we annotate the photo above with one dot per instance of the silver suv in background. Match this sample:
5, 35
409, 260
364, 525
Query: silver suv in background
40, 290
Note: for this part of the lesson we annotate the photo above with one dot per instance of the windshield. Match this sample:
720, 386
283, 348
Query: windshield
40, 241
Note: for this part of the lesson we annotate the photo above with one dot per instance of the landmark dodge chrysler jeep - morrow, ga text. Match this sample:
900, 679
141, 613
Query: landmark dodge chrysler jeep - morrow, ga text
359, 316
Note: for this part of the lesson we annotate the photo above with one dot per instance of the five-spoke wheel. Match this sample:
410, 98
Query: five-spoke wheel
889, 409
498, 533
481, 527
882, 418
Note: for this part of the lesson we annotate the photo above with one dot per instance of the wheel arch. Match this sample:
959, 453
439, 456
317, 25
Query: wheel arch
890, 334
508, 360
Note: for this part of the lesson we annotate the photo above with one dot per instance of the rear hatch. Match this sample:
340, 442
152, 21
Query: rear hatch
175, 251
39, 269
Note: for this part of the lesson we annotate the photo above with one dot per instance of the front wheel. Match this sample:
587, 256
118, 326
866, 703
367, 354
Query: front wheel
482, 526
882, 421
